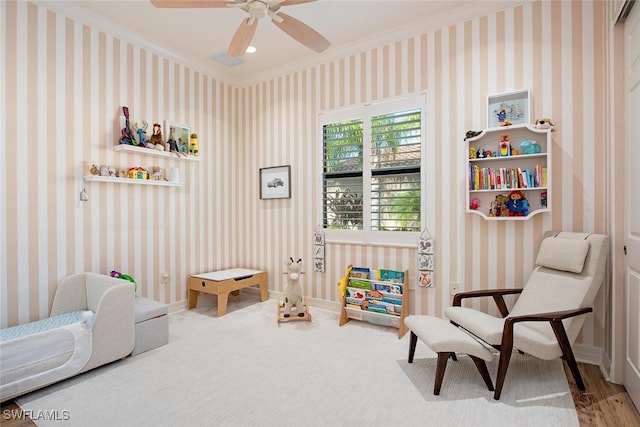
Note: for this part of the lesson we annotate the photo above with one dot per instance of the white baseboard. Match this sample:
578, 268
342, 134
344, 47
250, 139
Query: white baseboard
588, 354
322, 304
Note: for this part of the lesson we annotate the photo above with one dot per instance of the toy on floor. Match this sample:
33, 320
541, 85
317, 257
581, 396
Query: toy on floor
293, 294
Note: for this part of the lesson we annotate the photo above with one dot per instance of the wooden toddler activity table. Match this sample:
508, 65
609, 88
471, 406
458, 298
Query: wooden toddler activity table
223, 282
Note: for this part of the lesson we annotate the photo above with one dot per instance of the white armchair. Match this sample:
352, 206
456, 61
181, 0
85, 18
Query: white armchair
550, 310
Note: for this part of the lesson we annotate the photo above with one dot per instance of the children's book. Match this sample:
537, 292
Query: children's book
359, 283
356, 293
395, 301
391, 275
360, 273
388, 288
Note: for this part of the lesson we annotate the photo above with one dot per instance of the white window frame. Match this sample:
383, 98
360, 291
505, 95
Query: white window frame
366, 111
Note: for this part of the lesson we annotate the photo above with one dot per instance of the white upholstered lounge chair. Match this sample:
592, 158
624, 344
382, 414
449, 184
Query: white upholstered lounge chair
550, 310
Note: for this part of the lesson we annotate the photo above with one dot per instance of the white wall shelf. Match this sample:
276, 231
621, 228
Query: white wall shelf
151, 152
97, 178
486, 176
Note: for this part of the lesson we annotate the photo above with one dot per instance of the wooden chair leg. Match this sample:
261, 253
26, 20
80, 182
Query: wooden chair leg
505, 357
441, 366
484, 372
413, 340
565, 346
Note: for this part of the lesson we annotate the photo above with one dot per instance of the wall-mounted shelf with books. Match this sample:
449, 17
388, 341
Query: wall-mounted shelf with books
151, 152
115, 180
509, 163
375, 296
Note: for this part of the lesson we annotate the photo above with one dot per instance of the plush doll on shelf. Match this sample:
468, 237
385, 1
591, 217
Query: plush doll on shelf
293, 291
530, 146
517, 204
156, 141
545, 123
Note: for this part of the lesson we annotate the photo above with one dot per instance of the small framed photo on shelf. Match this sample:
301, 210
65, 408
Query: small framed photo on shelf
275, 182
178, 134
509, 108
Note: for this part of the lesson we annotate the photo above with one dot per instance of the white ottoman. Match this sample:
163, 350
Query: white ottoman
447, 340
152, 325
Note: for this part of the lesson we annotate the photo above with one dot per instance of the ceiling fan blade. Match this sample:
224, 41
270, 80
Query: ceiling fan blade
189, 3
302, 32
242, 37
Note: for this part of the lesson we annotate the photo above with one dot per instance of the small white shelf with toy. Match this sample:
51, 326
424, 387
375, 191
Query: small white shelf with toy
375, 296
509, 173
116, 180
151, 152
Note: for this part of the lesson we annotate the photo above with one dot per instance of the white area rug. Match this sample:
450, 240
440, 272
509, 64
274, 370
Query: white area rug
244, 369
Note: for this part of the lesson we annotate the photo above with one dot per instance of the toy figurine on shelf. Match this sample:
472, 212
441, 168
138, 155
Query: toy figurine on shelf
126, 135
498, 207
142, 133
517, 204
156, 141
505, 145
193, 144
472, 134
475, 203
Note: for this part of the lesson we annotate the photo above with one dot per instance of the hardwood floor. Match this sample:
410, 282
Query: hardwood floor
603, 404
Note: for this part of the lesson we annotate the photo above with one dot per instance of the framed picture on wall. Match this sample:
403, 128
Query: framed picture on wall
509, 108
177, 135
275, 182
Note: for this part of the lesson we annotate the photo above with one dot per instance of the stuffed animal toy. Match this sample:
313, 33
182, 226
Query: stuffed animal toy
545, 123
529, 146
156, 141
472, 134
293, 291
342, 284
517, 204
142, 133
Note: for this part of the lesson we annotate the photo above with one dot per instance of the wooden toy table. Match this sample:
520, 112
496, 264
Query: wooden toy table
224, 282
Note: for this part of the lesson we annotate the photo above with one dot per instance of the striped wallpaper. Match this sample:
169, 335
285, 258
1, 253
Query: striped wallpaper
63, 83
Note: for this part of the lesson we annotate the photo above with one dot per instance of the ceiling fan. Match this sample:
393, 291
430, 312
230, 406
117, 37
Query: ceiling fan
257, 9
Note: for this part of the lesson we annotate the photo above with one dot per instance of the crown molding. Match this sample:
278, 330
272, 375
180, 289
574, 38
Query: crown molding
236, 79
126, 34
477, 9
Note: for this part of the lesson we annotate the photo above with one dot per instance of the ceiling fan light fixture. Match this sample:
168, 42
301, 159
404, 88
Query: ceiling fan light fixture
251, 49
257, 9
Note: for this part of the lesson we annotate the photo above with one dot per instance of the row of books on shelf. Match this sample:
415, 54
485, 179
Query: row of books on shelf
373, 300
380, 274
506, 178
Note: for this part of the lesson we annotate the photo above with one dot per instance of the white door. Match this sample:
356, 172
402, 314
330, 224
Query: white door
632, 229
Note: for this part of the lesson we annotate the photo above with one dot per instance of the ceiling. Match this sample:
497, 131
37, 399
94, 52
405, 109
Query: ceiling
196, 35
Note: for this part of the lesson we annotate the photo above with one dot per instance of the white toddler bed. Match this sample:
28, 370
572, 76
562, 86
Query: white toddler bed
91, 323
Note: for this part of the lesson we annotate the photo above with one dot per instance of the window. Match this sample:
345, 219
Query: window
372, 167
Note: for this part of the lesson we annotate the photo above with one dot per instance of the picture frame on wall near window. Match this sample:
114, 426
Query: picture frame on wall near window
177, 135
275, 182
509, 108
